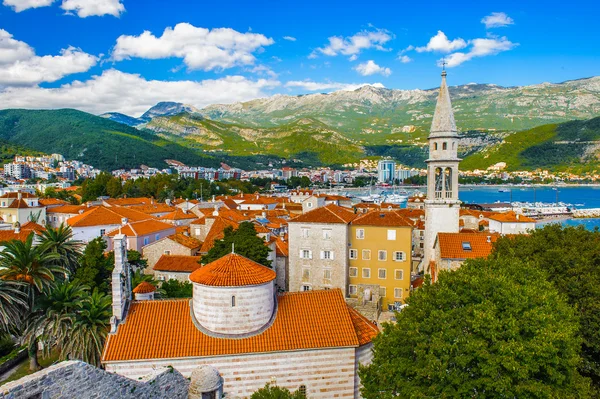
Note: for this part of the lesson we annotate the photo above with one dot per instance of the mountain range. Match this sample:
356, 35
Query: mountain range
496, 123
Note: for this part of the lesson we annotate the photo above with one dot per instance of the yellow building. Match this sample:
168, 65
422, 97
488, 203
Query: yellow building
380, 255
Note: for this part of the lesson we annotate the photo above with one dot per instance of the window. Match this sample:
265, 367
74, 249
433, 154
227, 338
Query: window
399, 274
305, 254
391, 235
233, 301
197, 232
382, 255
382, 292
399, 256
305, 232
327, 274
309, 204
327, 255
421, 245
366, 272
466, 246
353, 272
366, 254
435, 146
326, 234
156, 237
351, 290
305, 274
306, 287
146, 240
167, 252
360, 234
302, 391
353, 254
445, 146
102, 232
382, 273
397, 292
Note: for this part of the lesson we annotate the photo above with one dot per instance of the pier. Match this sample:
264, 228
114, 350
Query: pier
586, 213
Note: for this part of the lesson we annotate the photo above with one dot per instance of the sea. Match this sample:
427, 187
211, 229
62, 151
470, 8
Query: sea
580, 197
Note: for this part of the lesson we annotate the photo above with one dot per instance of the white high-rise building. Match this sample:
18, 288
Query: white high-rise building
442, 205
386, 171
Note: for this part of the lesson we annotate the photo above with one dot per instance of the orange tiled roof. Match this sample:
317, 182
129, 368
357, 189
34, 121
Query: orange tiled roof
141, 228
164, 329
69, 209
511, 217
216, 232
9, 235
128, 201
154, 208
365, 330
282, 247
52, 201
411, 213
233, 270
177, 263
103, 216
18, 204
16, 195
451, 245
326, 214
32, 226
144, 288
178, 214
381, 218
186, 241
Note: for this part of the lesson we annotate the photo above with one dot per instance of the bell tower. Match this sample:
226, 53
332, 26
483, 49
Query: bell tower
442, 205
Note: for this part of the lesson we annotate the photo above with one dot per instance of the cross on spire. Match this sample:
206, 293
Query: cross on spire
444, 63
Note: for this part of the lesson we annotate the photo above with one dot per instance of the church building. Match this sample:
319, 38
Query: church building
237, 334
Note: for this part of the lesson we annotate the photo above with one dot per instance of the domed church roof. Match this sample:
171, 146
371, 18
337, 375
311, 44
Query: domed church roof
233, 270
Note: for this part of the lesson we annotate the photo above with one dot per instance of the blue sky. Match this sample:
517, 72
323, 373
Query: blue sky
94, 54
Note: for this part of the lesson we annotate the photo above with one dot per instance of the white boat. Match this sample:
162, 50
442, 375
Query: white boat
504, 190
395, 198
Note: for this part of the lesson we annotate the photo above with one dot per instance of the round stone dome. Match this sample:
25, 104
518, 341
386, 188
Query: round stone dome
204, 379
233, 295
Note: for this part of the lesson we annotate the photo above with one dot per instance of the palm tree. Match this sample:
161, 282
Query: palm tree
13, 303
54, 314
90, 329
60, 240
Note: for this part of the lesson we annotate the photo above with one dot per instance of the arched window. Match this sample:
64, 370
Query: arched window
453, 144
302, 391
448, 182
445, 146
439, 182
435, 146
233, 301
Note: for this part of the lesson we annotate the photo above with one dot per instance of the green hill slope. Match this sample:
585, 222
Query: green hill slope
91, 139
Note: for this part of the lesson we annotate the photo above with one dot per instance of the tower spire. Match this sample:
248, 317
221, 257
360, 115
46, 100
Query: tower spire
443, 123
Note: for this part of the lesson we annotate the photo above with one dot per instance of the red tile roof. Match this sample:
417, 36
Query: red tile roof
511, 217
141, 228
381, 218
69, 209
282, 247
216, 232
164, 329
365, 330
451, 245
179, 214
32, 226
233, 270
177, 263
9, 235
103, 216
144, 288
52, 201
16, 195
18, 204
128, 201
186, 240
326, 214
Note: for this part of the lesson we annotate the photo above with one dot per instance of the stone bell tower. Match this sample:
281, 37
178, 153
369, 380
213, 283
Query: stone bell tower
442, 205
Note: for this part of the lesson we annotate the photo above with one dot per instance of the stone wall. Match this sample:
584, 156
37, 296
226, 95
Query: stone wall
326, 373
152, 252
79, 380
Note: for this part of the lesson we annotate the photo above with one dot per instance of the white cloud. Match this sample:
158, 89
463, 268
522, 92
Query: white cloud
440, 43
22, 5
370, 68
83, 8
200, 48
262, 70
289, 38
497, 20
353, 45
132, 94
19, 66
405, 59
480, 48
310, 85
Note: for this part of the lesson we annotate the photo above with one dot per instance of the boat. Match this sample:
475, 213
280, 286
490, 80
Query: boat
395, 199
504, 190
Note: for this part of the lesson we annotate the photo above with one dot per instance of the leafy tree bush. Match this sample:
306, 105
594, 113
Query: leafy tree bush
177, 289
571, 258
246, 243
492, 329
275, 392
95, 267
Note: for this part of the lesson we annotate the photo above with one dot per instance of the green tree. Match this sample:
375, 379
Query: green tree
571, 258
274, 392
492, 329
13, 303
60, 241
246, 243
94, 266
177, 289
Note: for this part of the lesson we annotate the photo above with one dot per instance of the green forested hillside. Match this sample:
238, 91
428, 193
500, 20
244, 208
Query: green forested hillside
91, 139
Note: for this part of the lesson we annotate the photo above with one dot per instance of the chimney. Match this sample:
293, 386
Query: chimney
124, 221
19, 195
88, 204
489, 238
168, 201
213, 198
264, 215
216, 211
186, 233
17, 228
518, 216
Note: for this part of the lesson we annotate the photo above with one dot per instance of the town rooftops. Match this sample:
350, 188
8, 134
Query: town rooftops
68, 209
233, 270
18, 204
144, 288
465, 245
128, 201
141, 228
19, 194
103, 216
52, 202
326, 214
179, 214
164, 329
381, 218
186, 240
177, 263
8, 235
511, 217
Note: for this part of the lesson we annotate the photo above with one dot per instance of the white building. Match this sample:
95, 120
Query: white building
511, 223
386, 171
442, 205
239, 327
